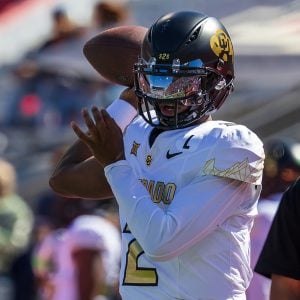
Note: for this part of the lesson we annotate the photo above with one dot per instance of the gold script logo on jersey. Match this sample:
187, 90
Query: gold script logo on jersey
221, 45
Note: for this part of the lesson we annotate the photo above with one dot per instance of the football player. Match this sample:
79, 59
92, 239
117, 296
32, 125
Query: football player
187, 186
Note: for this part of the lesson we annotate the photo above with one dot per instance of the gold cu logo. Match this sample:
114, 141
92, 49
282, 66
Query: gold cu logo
148, 160
221, 44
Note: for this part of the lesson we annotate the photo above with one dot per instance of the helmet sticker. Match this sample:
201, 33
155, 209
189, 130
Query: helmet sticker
221, 45
164, 56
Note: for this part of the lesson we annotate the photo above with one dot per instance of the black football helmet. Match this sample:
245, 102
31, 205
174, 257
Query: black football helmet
281, 166
186, 59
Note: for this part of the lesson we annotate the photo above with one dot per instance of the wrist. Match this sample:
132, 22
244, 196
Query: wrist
122, 112
112, 160
129, 96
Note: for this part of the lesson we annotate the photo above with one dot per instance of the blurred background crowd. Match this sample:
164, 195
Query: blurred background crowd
45, 81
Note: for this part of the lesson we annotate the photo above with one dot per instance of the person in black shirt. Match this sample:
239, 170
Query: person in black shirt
281, 169
280, 257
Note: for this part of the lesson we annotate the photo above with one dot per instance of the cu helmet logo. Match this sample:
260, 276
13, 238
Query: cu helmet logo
221, 45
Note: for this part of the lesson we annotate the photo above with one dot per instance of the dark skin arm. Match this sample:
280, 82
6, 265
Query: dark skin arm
89, 282
284, 288
79, 173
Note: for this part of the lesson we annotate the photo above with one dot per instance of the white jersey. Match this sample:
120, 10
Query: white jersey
186, 209
86, 232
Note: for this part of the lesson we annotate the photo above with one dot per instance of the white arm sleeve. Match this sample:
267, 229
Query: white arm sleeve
122, 112
195, 211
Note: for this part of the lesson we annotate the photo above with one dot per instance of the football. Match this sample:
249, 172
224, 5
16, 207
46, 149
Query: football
113, 52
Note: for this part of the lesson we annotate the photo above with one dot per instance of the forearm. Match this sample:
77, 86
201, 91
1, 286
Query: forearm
78, 174
284, 288
85, 261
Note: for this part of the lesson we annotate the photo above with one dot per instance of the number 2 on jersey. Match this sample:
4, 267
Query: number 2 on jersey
133, 273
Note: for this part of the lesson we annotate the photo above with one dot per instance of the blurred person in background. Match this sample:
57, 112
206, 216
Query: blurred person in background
49, 213
16, 222
63, 28
107, 14
280, 257
282, 167
81, 260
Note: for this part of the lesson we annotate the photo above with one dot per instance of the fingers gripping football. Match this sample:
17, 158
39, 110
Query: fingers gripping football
104, 136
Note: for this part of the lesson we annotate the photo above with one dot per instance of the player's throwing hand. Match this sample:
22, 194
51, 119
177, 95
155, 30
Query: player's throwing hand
104, 137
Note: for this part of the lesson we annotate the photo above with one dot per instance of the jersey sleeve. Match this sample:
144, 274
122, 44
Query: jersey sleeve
280, 254
196, 210
238, 155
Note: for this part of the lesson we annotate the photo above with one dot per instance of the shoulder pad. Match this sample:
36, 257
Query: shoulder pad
237, 154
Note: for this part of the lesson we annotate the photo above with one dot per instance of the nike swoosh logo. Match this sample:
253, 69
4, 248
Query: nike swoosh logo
170, 155
185, 146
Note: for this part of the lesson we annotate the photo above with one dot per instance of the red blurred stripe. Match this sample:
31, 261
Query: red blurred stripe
15, 9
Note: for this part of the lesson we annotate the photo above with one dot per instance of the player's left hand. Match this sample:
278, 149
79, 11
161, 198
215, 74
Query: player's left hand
104, 136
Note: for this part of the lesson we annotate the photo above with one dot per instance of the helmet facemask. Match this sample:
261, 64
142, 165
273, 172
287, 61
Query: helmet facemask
190, 85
